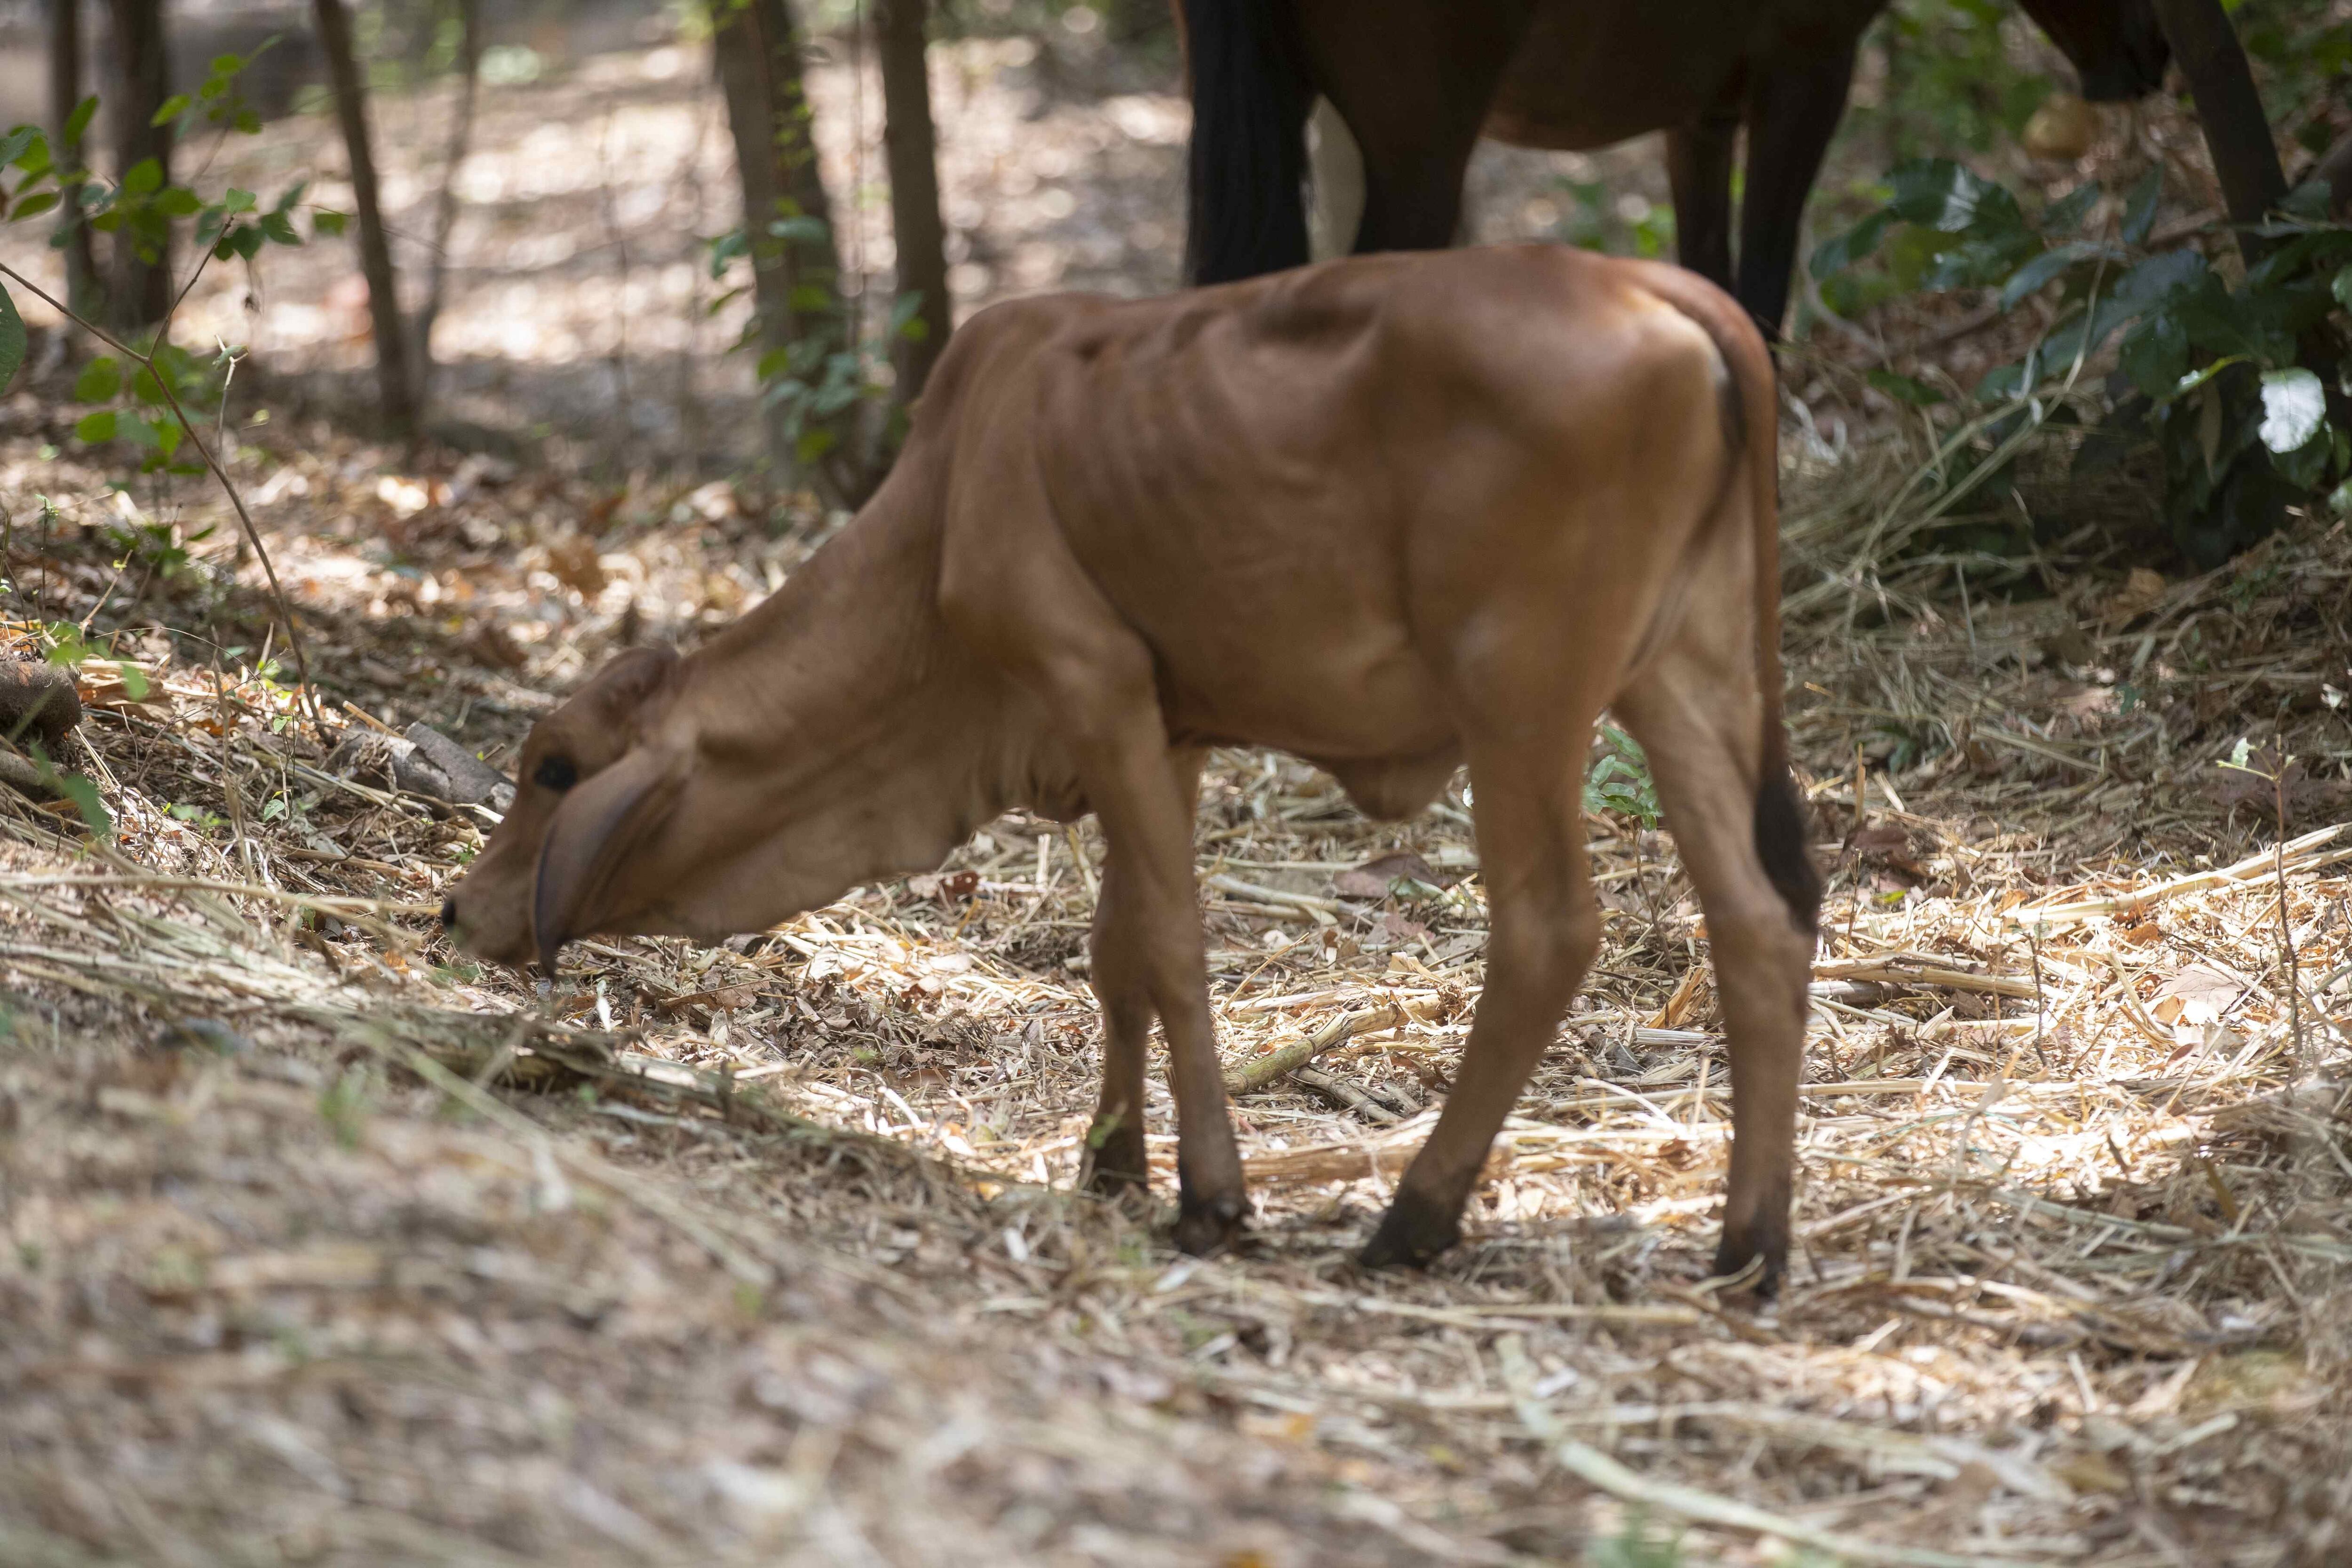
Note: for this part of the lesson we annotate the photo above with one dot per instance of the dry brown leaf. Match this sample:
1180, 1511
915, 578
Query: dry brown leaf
1374, 878
577, 566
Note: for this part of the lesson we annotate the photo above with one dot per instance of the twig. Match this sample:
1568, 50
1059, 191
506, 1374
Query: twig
2286, 927
1262, 1070
1591, 1465
252, 534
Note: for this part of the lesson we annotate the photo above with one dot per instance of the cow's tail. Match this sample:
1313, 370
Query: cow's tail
1248, 167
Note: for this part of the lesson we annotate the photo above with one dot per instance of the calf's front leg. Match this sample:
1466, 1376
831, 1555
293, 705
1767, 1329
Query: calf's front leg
1115, 1159
1137, 787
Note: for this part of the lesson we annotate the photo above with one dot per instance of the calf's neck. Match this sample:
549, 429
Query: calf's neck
1392, 514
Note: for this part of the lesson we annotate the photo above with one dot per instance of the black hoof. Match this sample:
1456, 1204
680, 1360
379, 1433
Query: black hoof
1755, 1254
1118, 1165
1412, 1231
1203, 1228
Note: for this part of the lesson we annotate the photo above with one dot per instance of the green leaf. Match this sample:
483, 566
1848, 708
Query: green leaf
2140, 210
278, 226
2294, 406
134, 682
2155, 354
35, 204
1835, 255
178, 201
2048, 265
167, 437
77, 788
143, 178
2342, 289
13, 144
12, 339
2069, 211
99, 380
327, 222
2341, 499
77, 122
96, 428
237, 201
805, 229
173, 107
1919, 393
145, 387
227, 65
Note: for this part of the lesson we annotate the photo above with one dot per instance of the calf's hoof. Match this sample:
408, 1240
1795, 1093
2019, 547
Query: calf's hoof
1207, 1225
1745, 1247
1116, 1166
1414, 1231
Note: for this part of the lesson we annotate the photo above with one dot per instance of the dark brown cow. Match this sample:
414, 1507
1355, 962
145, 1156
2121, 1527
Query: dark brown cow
1418, 80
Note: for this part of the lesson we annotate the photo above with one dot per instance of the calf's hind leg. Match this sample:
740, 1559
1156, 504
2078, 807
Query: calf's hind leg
1705, 756
1542, 932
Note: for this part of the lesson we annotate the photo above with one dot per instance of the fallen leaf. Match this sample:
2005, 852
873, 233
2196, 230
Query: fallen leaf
2197, 994
1887, 838
577, 566
2142, 591
491, 643
1374, 879
2092, 1473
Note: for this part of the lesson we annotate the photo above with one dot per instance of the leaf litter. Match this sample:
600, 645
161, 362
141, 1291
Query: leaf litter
326, 1244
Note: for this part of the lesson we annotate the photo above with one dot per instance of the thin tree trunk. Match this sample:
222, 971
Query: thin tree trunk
444, 214
796, 276
139, 294
2335, 170
395, 388
2237, 132
83, 290
910, 144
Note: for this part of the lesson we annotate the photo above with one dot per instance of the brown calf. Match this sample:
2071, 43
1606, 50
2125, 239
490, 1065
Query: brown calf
1390, 514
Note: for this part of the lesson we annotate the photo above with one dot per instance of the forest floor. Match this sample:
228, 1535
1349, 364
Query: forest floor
326, 1244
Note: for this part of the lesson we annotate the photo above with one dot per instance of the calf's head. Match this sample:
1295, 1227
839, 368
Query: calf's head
599, 778
2117, 47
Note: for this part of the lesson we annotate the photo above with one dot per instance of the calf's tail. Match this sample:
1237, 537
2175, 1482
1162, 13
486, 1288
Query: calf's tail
1751, 422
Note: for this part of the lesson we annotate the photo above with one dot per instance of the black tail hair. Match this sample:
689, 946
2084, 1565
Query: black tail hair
1781, 844
1248, 166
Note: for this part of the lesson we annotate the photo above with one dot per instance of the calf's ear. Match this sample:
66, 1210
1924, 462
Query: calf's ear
599, 824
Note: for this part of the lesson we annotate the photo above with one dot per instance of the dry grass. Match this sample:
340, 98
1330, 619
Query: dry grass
327, 1245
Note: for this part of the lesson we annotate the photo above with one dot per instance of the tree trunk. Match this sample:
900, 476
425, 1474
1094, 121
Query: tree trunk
395, 388
2336, 171
82, 291
139, 294
2237, 132
796, 275
910, 144
445, 215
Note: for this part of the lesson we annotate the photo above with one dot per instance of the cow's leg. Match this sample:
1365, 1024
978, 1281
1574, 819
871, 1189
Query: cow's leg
1704, 746
1698, 164
1543, 928
1413, 87
1793, 109
1121, 972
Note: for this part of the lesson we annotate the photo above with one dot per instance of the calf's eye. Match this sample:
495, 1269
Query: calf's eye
557, 772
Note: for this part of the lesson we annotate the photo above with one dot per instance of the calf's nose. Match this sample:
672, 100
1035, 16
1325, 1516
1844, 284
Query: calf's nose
450, 914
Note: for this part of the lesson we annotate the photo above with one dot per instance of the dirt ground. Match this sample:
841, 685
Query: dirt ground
325, 1244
